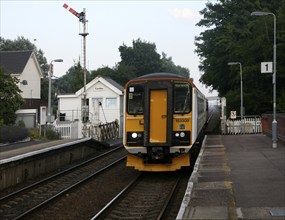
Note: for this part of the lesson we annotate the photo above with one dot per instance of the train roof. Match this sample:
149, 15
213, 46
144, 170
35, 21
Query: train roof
158, 76
161, 75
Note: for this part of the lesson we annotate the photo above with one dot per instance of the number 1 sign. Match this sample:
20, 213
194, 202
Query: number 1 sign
266, 67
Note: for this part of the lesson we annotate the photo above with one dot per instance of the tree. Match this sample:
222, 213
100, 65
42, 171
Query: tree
167, 65
11, 99
121, 73
142, 56
72, 81
235, 36
124, 73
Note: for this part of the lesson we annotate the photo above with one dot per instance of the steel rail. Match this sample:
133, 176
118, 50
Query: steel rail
106, 207
170, 195
68, 189
57, 175
102, 212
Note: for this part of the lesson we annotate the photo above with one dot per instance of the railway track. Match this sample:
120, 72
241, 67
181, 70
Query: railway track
25, 201
213, 126
146, 197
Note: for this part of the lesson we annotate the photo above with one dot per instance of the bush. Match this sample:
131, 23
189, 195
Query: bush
51, 134
35, 134
21, 124
10, 134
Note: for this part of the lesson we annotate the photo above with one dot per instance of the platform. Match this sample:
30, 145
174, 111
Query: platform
236, 177
25, 149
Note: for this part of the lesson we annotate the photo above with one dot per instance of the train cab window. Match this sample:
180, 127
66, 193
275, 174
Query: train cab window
135, 98
182, 98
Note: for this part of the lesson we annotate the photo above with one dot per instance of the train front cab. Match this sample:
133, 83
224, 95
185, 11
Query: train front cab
158, 124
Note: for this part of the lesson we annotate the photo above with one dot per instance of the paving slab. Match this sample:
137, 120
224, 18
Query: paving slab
237, 177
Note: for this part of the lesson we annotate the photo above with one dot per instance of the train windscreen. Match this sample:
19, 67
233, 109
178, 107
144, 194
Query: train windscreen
135, 99
182, 98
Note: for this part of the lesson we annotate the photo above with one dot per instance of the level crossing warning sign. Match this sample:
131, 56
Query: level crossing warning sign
233, 114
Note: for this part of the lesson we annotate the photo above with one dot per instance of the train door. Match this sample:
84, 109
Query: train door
158, 116
158, 106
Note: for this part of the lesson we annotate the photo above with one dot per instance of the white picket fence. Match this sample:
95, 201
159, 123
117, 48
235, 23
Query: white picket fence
100, 132
67, 129
248, 125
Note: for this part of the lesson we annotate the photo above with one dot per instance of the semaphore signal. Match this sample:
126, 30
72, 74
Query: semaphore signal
82, 19
80, 15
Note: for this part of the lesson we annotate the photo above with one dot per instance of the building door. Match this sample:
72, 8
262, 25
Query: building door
97, 102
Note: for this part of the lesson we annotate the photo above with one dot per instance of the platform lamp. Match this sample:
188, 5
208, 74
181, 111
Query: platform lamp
274, 121
241, 88
49, 88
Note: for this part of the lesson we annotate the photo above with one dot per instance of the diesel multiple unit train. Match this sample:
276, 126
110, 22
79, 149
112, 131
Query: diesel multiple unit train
163, 117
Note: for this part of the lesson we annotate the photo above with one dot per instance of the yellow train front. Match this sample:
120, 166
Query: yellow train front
164, 115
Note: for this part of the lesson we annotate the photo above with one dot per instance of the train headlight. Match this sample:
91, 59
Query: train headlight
134, 135
181, 138
135, 138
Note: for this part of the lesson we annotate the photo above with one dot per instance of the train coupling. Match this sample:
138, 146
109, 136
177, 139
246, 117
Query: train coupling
157, 155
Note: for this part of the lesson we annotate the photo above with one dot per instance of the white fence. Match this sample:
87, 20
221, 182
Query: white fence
67, 130
100, 132
248, 125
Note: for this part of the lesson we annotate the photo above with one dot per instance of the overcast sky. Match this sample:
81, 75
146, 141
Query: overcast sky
171, 25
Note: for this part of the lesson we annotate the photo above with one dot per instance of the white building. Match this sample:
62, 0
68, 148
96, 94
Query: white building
104, 100
25, 67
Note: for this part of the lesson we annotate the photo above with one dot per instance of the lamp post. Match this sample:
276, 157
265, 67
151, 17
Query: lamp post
274, 121
49, 88
241, 89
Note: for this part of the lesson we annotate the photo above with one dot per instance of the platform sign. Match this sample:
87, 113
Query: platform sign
233, 114
43, 115
266, 67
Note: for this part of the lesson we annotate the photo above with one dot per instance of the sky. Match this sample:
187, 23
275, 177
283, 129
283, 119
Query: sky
170, 25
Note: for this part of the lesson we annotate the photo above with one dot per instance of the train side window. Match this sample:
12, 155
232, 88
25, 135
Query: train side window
182, 98
135, 98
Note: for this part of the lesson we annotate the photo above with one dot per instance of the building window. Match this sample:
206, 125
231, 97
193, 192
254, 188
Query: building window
111, 102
